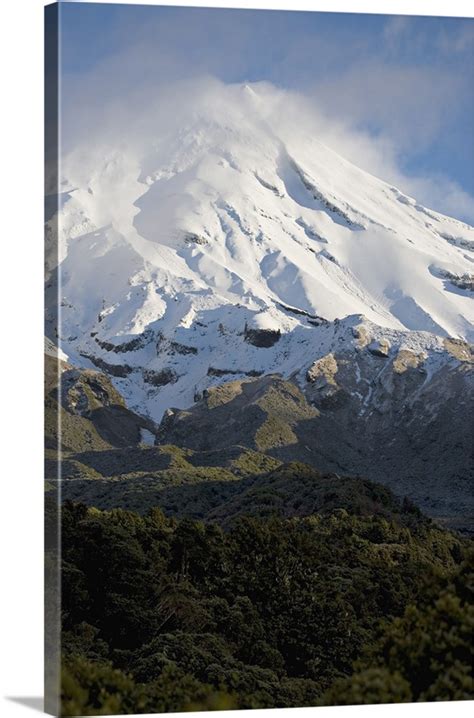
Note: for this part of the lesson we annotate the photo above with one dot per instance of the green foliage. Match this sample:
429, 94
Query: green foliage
371, 686
205, 490
162, 614
92, 688
424, 655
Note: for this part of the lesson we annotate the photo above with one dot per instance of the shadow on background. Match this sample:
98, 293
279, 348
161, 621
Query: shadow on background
33, 702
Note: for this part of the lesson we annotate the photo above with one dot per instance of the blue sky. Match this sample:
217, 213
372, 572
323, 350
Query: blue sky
406, 83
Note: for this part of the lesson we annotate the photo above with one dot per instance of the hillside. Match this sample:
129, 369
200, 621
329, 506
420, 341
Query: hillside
84, 412
414, 436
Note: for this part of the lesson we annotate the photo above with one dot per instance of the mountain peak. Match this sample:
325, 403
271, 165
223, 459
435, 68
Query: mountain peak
229, 237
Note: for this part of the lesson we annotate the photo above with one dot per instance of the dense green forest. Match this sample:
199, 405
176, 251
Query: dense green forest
166, 614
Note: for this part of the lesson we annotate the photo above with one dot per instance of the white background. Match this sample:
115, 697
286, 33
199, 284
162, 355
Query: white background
21, 279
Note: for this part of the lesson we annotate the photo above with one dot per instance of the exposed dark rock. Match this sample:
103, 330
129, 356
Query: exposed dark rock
461, 281
262, 338
172, 347
466, 281
458, 241
192, 238
318, 321
178, 348
314, 318
118, 370
213, 371
160, 378
133, 345
269, 186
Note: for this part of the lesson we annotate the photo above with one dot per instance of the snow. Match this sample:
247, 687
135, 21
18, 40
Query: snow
147, 437
235, 219
53, 351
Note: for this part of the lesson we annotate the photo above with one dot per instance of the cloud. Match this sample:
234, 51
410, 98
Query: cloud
380, 112
408, 103
383, 158
378, 154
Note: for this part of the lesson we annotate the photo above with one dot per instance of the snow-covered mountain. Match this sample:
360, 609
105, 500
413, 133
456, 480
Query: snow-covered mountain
227, 246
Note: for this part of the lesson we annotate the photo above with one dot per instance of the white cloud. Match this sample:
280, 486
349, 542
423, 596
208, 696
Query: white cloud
378, 154
407, 103
375, 113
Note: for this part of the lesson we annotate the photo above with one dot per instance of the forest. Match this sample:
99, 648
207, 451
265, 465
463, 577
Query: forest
163, 614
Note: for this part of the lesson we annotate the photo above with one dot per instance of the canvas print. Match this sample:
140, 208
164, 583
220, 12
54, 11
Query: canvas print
258, 368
